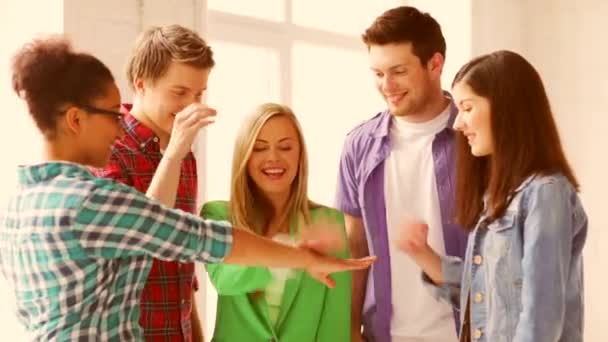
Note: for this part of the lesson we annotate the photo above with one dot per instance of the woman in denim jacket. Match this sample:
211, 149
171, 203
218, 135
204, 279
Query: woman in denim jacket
522, 277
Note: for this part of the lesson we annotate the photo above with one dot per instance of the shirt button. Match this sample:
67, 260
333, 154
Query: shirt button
142, 145
478, 298
477, 334
477, 259
155, 139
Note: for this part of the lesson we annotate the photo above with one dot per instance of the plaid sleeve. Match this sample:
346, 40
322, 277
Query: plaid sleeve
116, 221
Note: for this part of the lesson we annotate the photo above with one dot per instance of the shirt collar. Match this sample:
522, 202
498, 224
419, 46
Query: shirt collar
382, 129
43, 172
143, 136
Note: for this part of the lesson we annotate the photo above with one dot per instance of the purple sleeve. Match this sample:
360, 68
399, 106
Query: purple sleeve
347, 191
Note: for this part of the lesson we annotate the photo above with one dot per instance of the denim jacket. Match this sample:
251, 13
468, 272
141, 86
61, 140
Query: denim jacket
523, 273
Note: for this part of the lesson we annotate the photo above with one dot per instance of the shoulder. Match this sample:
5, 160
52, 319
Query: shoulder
365, 129
217, 210
552, 185
321, 212
553, 193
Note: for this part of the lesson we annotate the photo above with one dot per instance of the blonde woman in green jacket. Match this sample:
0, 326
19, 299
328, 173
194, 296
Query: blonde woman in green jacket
269, 195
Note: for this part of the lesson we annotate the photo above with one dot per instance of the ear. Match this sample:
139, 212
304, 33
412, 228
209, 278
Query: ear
139, 85
73, 120
435, 65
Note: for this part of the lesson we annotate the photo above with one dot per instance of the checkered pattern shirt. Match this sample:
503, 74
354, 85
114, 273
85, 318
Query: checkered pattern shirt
77, 250
166, 300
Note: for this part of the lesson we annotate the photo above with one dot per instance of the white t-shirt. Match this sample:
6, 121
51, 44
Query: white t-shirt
410, 188
276, 287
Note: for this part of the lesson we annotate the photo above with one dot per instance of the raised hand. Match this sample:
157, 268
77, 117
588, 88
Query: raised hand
185, 127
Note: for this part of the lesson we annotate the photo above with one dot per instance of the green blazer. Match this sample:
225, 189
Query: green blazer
309, 311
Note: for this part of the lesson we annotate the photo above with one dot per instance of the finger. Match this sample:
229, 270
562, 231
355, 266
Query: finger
207, 112
325, 280
191, 131
204, 122
200, 119
356, 264
342, 265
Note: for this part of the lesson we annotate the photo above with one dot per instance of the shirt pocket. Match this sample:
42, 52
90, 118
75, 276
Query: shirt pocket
498, 245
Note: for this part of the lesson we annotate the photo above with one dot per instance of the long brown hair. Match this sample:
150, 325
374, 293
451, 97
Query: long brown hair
525, 137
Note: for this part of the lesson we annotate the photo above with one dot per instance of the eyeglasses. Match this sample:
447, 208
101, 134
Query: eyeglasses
94, 110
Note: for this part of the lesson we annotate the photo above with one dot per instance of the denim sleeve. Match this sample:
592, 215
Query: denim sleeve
451, 269
547, 254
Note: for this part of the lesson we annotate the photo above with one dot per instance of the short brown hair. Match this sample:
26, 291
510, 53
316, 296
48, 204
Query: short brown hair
48, 75
157, 47
406, 24
525, 137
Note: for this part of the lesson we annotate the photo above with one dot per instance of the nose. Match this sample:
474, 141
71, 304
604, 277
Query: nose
458, 122
388, 83
273, 155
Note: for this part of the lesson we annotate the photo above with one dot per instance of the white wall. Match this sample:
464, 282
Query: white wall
563, 39
18, 140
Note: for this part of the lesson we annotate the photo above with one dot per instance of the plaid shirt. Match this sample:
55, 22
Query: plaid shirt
77, 250
166, 301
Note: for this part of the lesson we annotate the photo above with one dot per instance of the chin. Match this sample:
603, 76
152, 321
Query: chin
479, 152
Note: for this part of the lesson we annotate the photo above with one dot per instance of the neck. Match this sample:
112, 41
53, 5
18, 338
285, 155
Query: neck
59, 150
435, 105
138, 112
279, 220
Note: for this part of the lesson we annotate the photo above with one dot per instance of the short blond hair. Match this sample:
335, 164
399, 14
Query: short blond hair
157, 47
247, 211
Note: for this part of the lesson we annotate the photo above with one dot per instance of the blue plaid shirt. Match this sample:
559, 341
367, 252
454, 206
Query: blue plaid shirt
77, 249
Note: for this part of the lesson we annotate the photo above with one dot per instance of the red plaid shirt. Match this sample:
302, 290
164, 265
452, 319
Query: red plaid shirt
166, 300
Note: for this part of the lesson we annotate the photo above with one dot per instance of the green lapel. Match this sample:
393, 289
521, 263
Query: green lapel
292, 287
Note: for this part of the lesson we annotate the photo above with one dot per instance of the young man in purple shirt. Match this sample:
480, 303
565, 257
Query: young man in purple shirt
401, 162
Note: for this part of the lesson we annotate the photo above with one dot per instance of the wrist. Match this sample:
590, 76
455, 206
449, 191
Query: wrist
308, 258
172, 158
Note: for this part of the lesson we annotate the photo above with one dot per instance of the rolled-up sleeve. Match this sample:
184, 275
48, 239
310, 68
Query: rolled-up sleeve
347, 193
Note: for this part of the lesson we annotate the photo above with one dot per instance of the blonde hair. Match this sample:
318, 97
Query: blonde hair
253, 213
157, 47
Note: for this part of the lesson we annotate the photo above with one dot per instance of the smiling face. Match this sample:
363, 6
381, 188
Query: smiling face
474, 119
403, 81
166, 96
91, 130
274, 161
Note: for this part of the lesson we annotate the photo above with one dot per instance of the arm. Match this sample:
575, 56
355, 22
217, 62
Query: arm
197, 329
116, 221
358, 247
347, 200
443, 273
548, 235
186, 125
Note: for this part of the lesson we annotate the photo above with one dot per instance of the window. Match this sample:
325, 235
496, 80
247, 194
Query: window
302, 53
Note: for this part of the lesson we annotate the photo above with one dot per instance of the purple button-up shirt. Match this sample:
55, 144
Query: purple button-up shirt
360, 193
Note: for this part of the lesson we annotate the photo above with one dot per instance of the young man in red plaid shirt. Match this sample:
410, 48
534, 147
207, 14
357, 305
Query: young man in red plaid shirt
167, 71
